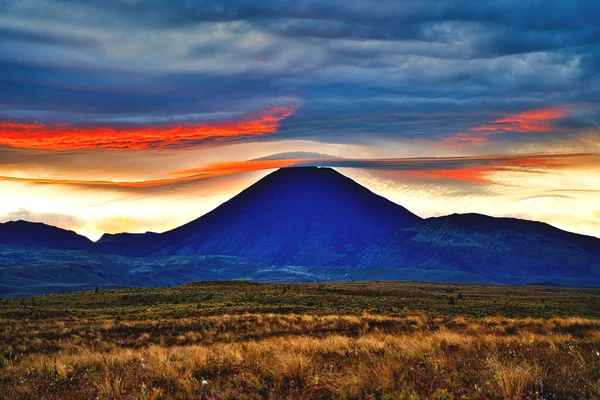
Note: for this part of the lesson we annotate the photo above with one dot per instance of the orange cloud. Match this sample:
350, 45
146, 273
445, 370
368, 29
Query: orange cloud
535, 163
529, 121
64, 137
209, 171
474, 169
470, 174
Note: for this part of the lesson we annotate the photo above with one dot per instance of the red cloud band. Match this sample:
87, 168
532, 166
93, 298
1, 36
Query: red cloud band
529, 121
65, 137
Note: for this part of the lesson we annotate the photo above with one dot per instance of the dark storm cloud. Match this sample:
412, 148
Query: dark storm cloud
535, 14
362, 69
12, 34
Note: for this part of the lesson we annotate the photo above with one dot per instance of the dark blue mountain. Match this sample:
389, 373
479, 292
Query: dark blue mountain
294, 216
316, 218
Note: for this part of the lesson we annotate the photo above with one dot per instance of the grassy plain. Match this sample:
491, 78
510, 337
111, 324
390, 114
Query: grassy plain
380, 340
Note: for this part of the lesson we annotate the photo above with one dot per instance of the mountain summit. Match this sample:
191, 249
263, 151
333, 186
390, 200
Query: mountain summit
293, 216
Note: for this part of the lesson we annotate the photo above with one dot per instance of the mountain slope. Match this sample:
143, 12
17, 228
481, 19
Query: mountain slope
294, 216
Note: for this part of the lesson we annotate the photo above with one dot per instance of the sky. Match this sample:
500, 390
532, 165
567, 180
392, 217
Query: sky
131, 116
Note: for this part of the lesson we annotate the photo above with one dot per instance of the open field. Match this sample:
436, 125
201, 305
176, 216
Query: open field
335, 340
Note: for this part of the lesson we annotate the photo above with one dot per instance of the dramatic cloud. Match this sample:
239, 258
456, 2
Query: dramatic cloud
130, 115
60, 137
427, 69
529, 121
469, 169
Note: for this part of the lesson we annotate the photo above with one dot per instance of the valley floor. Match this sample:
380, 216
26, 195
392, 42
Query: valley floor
383, 340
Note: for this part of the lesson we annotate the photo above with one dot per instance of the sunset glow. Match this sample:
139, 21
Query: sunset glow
111, 123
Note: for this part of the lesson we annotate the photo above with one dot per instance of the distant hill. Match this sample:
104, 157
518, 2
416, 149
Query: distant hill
35, 234
504, 250
301, 224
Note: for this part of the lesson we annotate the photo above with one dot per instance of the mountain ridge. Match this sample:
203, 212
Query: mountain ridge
298, 224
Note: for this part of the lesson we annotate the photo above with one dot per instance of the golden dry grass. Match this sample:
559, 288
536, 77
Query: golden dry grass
74, 347
303, 356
